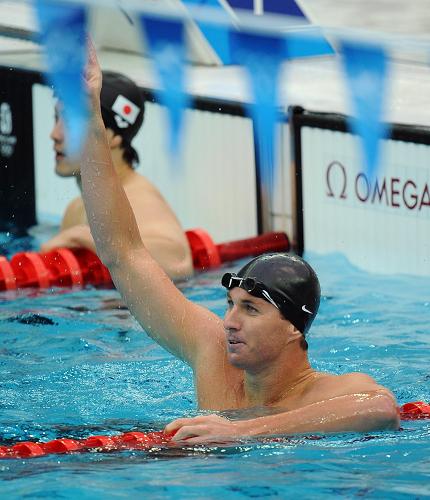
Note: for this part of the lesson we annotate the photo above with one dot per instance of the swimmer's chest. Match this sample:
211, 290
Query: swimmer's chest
225, 391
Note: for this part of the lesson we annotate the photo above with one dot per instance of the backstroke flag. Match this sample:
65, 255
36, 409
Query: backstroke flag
63, 33
166, 40
216, 33
366, 69
262, 56
306, 41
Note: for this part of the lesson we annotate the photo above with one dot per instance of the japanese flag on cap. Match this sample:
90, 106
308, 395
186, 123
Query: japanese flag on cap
125, 111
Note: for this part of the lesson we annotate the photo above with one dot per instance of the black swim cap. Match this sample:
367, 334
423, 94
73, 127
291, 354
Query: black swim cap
289, 280
122, 106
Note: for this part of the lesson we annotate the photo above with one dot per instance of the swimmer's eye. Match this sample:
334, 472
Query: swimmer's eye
251, 309
229, 303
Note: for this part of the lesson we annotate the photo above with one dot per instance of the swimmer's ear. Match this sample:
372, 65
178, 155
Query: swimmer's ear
115, 140
295, 334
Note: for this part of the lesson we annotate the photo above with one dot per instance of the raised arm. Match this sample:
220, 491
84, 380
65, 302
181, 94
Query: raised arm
177, 324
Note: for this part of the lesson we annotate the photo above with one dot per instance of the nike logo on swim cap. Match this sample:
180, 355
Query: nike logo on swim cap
306, 310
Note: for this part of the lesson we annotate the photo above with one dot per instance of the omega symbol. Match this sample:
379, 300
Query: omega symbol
336, 180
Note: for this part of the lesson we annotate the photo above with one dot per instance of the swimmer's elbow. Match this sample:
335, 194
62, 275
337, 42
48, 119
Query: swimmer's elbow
386, 412
179, 270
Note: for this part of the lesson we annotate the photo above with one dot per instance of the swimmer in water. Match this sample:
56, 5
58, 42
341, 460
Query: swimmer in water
255, 357
122, 111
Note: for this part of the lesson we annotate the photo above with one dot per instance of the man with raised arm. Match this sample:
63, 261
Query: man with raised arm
256, 356
122, 111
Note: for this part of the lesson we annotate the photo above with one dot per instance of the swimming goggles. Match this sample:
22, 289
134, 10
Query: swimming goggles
250, 285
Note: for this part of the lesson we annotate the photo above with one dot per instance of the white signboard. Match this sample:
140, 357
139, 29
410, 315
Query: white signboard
381, 224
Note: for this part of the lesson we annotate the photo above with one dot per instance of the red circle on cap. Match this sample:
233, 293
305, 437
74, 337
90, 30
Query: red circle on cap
126, 109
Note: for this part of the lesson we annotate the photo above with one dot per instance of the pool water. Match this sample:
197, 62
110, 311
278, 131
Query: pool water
75, 363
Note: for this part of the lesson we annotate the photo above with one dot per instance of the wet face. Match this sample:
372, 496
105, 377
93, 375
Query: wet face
256, 333
64, 167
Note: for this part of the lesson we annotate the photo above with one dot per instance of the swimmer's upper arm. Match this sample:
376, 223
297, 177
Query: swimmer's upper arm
345, 403
179, 325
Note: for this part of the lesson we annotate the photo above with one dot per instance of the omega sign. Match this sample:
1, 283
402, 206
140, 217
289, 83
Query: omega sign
390, 192
7, 140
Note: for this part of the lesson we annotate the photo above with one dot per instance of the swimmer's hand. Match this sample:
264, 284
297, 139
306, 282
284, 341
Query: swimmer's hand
204, 429
93, 73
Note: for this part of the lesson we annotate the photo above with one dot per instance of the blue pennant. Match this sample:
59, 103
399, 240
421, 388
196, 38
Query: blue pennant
307, 41
216, 34
366, 68
166, 41
262, 55
63, 33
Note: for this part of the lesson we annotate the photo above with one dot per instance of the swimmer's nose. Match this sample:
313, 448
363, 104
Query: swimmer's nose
57, 132
231, 320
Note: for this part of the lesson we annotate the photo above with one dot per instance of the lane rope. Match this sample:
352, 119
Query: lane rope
142, 441
66, 267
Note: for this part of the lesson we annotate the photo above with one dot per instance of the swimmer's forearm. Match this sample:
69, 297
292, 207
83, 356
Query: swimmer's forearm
74, 237
111, 219
352, 413
109, 214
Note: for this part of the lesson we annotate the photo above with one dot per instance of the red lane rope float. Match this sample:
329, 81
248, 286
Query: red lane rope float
71, 267
126, 441
30, 271
92, 269
7, 276
63, 267
203, 249
416, 410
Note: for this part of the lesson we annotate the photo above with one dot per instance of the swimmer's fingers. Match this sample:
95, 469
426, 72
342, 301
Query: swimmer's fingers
93, 73
92, 54
187, 432
180, 422
203, 434
204, 429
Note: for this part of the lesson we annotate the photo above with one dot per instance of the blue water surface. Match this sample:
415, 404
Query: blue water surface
75, 363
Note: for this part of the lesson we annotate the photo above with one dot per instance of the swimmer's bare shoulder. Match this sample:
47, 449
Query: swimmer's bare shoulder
154, 215
327, 386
